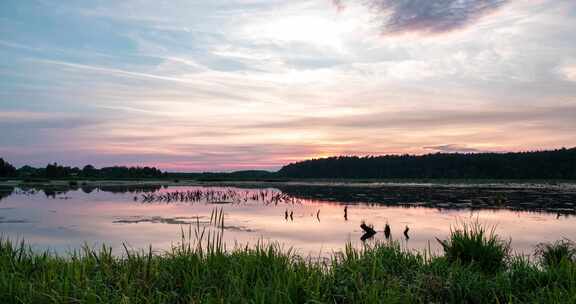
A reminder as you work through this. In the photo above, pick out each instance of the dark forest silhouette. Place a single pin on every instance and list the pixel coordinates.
(56, 171)
(6, 169)
(556, 164)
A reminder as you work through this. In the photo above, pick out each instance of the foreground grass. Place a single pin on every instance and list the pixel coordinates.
(476, 268)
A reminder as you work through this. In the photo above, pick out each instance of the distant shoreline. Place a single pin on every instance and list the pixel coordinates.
(463, 183)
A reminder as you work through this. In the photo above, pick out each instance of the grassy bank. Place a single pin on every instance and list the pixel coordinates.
(476, 268)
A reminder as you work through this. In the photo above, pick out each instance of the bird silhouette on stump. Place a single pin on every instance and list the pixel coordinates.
(406, 233)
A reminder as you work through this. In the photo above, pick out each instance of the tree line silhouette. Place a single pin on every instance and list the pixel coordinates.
(6, 169)
(555, 164)
(58, 171)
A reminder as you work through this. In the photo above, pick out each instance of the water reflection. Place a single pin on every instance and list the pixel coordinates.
(314, 223)
(560, 201)
(5, 192)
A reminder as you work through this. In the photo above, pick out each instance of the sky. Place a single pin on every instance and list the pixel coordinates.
(223, 85)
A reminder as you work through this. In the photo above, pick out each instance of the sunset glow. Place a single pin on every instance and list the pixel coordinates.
(231, 85)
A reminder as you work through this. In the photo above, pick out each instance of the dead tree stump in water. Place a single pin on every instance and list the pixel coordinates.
(369, 232)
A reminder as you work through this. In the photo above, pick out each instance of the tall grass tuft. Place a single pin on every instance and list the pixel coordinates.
(553, 254)
(201, 270)
(471, 244)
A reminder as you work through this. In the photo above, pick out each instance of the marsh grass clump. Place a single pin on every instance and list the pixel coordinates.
(553, 254)
(199, 269)
(472, 244)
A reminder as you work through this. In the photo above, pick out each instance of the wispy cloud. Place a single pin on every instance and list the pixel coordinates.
(418, 120)
(110, 71)
(24, 120)
(228, 84)
(568, 72)
(428, 16)
(339, 4)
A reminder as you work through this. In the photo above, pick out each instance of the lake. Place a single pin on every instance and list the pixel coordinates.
(309, 218)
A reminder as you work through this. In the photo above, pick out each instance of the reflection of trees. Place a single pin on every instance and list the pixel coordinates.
(5, 192)
(88, 189)
(439, 197)
(51, 191)
(130, 188)
(443, 197)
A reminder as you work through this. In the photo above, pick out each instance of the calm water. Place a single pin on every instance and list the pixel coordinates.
(65, 220)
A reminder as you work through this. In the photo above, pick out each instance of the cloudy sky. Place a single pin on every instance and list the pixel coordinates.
(220, 85)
